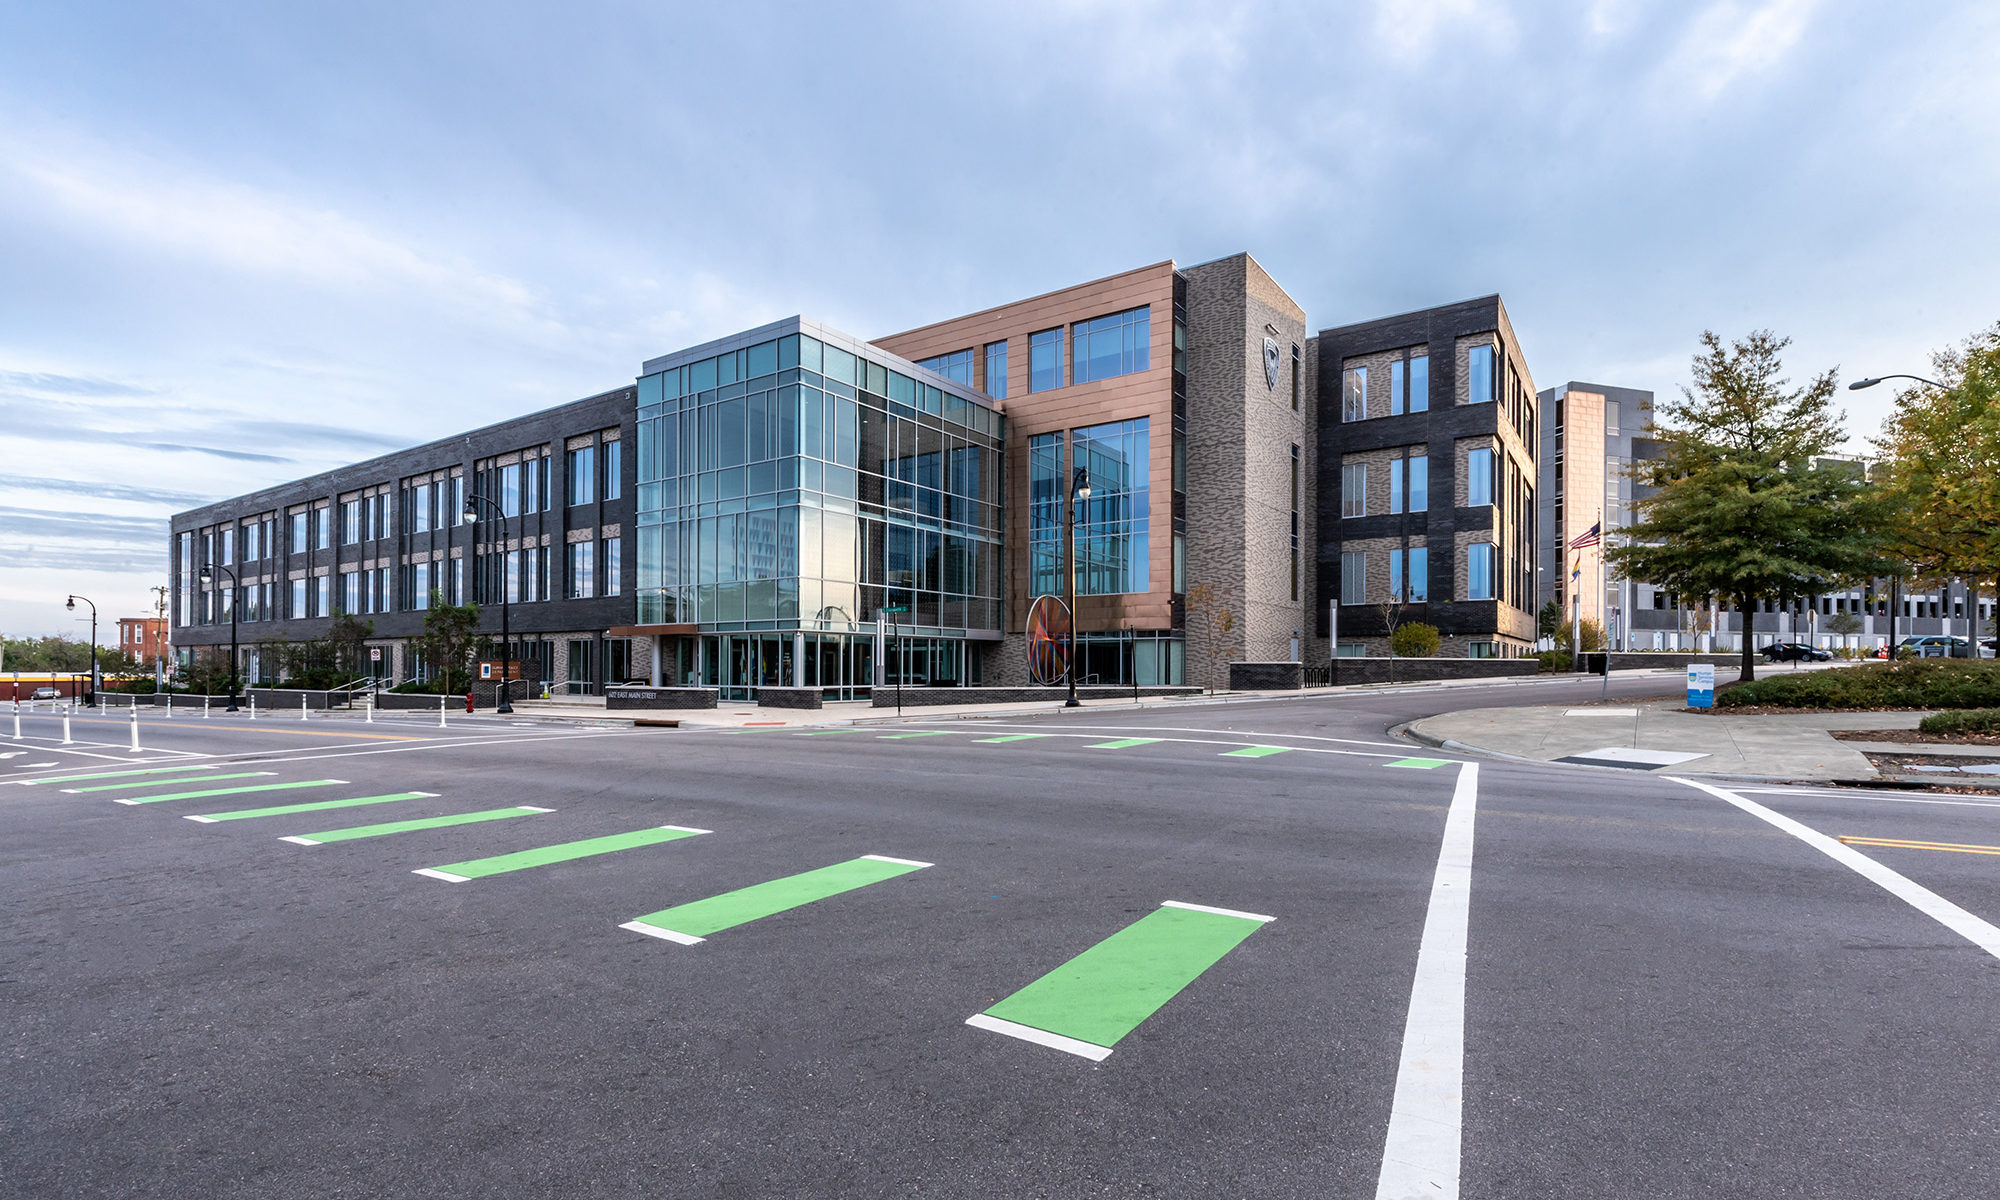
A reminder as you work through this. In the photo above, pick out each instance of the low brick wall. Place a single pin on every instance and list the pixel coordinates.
(287, 699)
(659, 697)
(1266, 676)
(927, 697)
(785, 697)
(1664, 660)
(422, 701)
(1430, 670)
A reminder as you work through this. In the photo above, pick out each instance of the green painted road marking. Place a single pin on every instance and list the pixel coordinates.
(367, 831)
(1012, 737)
(690, 923)
(175, 782)
(1421, 764)
(824, 732)
(1256, 752)
(521, 860)
(1121, 743)
(246, 814)
(235, 791)
(1088, 1003)
(922, 733)
(112, 774)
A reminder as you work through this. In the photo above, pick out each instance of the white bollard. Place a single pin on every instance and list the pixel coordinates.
(370, 718)
(17, 718)
(135, 728)
(65, 740)
(441, 700)
(170, 706)
(302, 706)
(204, 708)
(253, 706)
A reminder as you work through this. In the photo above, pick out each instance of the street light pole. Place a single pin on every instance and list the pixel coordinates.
(1079, 489)
(472, 502)
(235, 595)
(92, 702)
(1858, 384)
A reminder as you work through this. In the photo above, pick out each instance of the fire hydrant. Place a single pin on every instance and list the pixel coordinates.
(468, 702)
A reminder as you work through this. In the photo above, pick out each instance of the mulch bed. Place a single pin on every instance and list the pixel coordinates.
(1911, 737)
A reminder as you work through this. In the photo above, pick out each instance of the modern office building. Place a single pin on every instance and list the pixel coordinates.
(382, 540)
(1181, 391)
(793, 506)
(1427, 483)
(816, 512)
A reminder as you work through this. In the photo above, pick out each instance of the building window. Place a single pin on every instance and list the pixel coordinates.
(1409, 484)
(350, 523)
(1045, 360)
(1354, 394)
(1479, 477)
(350, 592)
(1479, 375)
(956, 366)
(1353, 577)
(1295, 382)
(582, 570)
(510, 490)
(1295, 524)
(1482, 650)
(323, 527)
(613, 561)
(1412, 586)
(581, 467)
(298, 608)
(996, 370)
(1479, 558)
(1113, 525)
(1113, 345)
(1180, 564)
(298, 535)
(614, 470)
(1419, 384)
(1354, 490)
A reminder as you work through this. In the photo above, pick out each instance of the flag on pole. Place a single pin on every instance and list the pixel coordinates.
(1589, 537)
(1576, 569)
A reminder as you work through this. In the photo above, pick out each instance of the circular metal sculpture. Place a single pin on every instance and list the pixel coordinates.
(1048, 640)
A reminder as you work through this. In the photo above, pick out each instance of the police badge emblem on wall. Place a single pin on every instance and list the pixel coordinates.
(1271, 363)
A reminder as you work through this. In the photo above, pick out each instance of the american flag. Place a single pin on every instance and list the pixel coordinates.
(1589, 537)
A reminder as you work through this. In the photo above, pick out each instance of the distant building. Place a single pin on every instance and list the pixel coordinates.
(144, 639)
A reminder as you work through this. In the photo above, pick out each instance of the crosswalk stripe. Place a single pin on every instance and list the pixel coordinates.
(1123, 743)
(176, 782)
(1256, 752)
(230, 791)
(368, 831)
(521, 860)
(691, 923)
(246, 814)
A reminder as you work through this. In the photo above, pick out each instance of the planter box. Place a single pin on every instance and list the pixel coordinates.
(785, 697)
(1266, 676)
(659, 697)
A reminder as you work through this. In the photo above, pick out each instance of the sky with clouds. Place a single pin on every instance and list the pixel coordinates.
(240, 243)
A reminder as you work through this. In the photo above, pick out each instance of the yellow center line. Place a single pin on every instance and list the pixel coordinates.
(1903, 844)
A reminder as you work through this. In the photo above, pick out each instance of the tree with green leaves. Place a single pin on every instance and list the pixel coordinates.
(1549, 620)
(1744, 505)
(450, 633)
(1940, 468)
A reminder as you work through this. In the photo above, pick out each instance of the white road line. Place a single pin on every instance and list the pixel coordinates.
(447, 876)
(202, 820)
(907, 862)
(1220, 912)
(1859, 794)
(1297, 737)
(685, 939)
(1421, 1155)
(1041, 1037)
(687, 829)
(1979, 932)
(532, 808)
(300, 841)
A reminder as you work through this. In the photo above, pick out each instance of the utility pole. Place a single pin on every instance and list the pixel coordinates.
(160, 639)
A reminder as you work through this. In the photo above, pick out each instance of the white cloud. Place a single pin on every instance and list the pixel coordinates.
(1731, 40)
(1410, 29)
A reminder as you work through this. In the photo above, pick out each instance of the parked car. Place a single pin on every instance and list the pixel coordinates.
(1935, 645)
(1791, 651)
(47, 693)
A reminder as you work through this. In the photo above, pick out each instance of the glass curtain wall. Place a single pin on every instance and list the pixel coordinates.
(794, 487)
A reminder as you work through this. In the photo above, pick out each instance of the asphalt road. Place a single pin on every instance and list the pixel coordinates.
(1649, 989)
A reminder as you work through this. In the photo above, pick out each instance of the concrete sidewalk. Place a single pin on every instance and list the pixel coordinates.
(1658, 736)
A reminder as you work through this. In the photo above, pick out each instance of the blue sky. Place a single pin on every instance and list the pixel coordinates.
(242, 243)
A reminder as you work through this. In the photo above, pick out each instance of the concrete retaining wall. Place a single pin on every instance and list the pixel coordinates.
(1665, 660)
(1425, 670)
(927, 697)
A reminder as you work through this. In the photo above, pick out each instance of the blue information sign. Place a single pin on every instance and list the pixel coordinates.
(1701, 685)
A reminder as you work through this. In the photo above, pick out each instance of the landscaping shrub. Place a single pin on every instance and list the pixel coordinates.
(1922, 683)
(1554, 661)
(1415, 640)
(1977, 720)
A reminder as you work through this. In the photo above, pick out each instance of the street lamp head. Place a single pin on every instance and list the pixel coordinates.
(207, 576)
(1858, 384)
(471, 510)
(71, 605)
(1081, 483)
